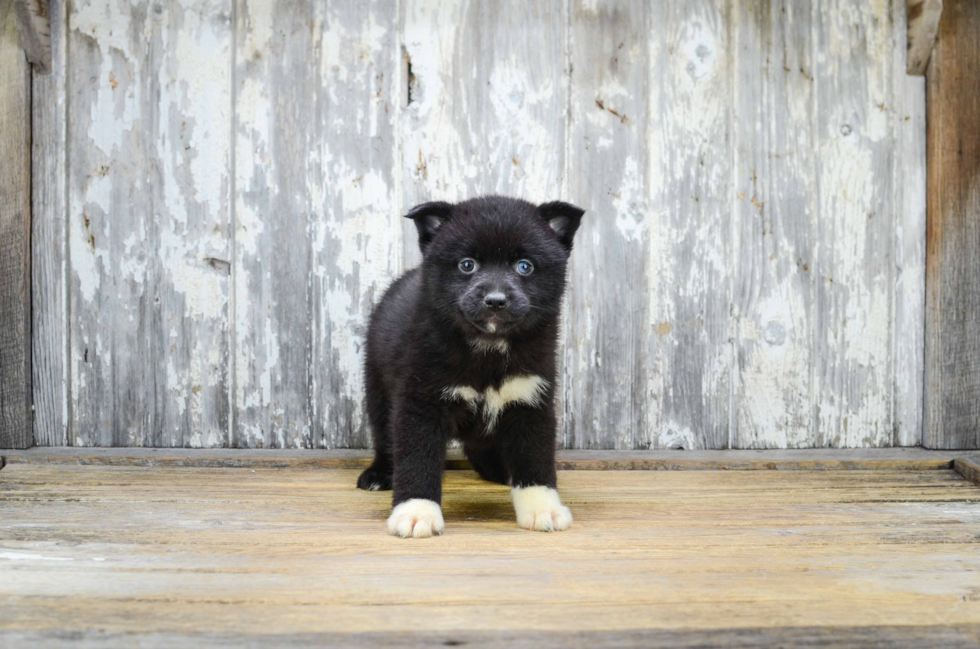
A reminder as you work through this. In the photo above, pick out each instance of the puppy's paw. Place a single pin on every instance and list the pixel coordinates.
(374, 479)
(418, 518)
(540, 509)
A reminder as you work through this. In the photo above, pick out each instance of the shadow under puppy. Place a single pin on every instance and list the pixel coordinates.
(464, 347)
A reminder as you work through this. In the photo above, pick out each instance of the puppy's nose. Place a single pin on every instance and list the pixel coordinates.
(495, 301)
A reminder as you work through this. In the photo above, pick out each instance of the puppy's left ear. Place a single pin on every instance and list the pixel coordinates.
(428, 218)
(563, 218)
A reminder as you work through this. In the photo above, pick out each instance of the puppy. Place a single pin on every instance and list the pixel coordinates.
(465, 347)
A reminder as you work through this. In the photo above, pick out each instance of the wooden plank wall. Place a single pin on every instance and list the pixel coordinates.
(749, 273)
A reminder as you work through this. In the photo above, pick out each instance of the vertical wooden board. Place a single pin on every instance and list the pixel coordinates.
(775, 222)
(148, 191)
(649, 354)
(356, 222)
(853, 364)
(15, 237)
(275, 118)
(691, 249)
(607, 403)
(909, 184)
(318, 234)
(952, 356)
(486, 97)
(49, 255)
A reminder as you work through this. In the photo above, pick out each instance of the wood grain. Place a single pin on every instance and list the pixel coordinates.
(273, 267)
(148, 223)
(235, 552)
(357, 228)
(318, 232)
(952, 352)
(648, 358)
(606, 376)
(15, 237)
(49, 236)
(775, 205)
(853, 272)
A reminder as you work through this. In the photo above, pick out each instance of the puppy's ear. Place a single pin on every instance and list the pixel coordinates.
(563, 218)
(428, 218)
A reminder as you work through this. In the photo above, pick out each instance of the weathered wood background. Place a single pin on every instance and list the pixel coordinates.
(221, 183)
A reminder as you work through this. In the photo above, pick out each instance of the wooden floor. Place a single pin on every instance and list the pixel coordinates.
(118, 555)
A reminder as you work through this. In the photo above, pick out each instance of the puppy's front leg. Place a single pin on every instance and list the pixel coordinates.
(527, 438)
(420, 457)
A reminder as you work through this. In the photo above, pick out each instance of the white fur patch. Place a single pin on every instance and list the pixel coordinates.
(418, 518)
(540, 508)
(463, 393)
(528, 390)
(484, 345)
(520, 389)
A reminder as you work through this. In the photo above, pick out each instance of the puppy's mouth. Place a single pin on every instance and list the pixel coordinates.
(495, 324)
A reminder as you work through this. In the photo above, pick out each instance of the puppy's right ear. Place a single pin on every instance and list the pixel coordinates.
(563, 218)
(428, 218)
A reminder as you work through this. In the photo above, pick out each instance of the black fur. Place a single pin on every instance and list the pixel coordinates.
(435, 329)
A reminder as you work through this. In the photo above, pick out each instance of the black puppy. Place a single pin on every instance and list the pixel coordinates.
(465, 347)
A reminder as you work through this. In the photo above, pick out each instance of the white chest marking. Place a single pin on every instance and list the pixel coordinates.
(528, 390)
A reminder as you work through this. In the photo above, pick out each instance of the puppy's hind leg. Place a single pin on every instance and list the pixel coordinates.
(487, 462)
(377, 477)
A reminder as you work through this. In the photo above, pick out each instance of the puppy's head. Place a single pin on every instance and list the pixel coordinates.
(496, 266)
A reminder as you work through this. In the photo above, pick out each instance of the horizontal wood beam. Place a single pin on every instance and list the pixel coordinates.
(909, 459)
(951, 414)
(33, 23)
(15, 238)
(923, 23)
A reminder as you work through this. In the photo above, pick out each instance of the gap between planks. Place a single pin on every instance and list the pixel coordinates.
(904, 459)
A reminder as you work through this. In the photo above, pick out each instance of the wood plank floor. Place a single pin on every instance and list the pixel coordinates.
(106, 555)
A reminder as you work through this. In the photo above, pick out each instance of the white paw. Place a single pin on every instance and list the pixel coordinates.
(540, 508)
(417, 517)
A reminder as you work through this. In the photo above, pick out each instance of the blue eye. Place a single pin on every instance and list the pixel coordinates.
(524, 267)
(468, 266)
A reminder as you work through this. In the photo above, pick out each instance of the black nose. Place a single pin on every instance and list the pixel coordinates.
(495, 301)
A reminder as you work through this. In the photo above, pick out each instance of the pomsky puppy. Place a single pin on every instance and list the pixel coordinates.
(464, 347)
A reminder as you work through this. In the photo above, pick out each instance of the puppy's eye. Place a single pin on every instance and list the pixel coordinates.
(524, 267)
(468, 266)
